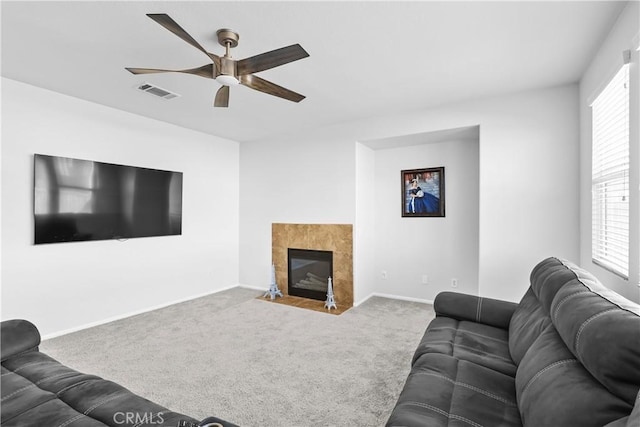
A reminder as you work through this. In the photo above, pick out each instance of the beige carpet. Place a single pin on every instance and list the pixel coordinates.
(255, 363)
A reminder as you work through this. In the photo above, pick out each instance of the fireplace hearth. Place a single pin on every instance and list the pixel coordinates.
(308, 272)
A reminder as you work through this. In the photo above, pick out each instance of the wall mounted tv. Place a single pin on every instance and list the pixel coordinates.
(80, 200)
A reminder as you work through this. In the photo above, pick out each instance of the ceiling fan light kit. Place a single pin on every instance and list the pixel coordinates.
(227, 80)
(229, 72)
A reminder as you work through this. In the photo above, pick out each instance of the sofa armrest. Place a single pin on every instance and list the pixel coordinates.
(17, 336)
(489, 311)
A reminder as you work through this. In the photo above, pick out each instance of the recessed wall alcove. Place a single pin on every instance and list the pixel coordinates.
(395, 254)
(337, 238)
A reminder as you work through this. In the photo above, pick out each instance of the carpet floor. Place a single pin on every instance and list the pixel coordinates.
(256, 363)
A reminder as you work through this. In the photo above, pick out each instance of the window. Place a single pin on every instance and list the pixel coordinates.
(74, 181)
(610, 176)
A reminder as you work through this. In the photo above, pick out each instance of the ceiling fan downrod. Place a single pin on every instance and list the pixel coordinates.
(228, 39)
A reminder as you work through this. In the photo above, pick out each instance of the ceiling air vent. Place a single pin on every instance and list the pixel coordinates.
(157, 91)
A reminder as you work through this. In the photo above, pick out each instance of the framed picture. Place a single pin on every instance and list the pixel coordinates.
(423, 192)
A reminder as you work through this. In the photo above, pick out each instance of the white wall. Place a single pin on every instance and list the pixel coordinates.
(608, 60)
(364, 239)
(440, 248)
(529, 196)
(311, 180)
(65, 286)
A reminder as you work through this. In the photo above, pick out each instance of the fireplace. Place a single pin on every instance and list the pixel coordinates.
(336, 238)
(308, 272)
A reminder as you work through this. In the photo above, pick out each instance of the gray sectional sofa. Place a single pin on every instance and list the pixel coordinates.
(40, 391)
(567, 355)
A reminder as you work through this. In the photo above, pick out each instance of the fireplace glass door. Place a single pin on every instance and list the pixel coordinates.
(309, 271)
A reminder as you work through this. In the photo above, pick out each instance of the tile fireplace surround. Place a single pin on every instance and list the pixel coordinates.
(337, 238)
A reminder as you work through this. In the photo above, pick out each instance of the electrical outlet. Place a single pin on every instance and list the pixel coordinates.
(454, 283)
(384, 274)
(425, 279)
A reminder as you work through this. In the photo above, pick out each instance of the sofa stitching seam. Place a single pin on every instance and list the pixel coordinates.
(479, 310)
(578, 272)
(26, 365)
(69, 387)
(103, 401)
(443, 412)
(33, 384)
(469, 332)
(586, 322)
(71, 420)
(18, 414)
(457, 365)
(469, 386)
(470, 348)
(565, 299)
(543, 370)
(453, 342)
(16, 392)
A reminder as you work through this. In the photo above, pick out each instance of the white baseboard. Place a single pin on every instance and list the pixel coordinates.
(130, 314)
(192, 297)
(390, 296)
(256, 288)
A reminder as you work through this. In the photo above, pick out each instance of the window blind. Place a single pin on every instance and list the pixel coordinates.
(610, 175)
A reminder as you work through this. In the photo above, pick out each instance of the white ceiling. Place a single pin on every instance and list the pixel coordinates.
(367, 59)
(469, 133)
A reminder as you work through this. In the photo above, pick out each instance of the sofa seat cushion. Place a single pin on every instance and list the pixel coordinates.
(23, 404)
(481, 344)
(38, 390)
(442, 390)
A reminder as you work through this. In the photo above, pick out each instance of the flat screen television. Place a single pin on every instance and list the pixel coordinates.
(79, 200)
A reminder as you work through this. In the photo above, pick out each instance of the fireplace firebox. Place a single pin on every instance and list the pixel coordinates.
(309, 271)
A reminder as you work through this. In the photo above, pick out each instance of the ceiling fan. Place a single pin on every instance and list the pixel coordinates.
(229, 72)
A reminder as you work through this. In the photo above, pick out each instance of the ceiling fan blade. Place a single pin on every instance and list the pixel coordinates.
(271, 59)
(167, 22)
(222, 97)
(146, 70)
(204, 71)
(265, 86)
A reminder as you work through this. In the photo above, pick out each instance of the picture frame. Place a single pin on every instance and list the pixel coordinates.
(422, 192)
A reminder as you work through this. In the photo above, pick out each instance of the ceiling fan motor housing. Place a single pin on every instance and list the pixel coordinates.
(227, 73)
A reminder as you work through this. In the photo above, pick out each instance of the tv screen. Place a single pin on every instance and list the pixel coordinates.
(80, 200)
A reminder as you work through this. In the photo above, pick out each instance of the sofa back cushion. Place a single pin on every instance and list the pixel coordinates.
(578, 364)
(527, 323)
(602, 330)
(554, 389)
(531, 316)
